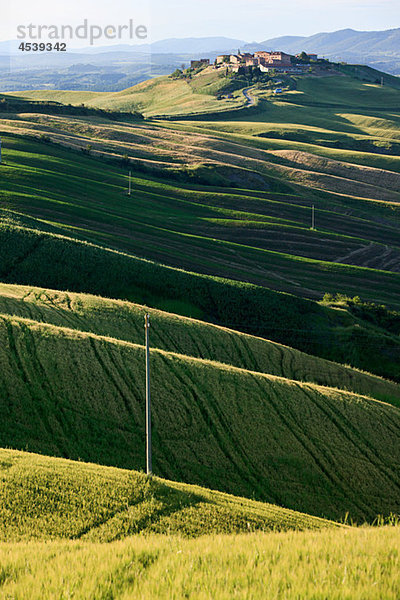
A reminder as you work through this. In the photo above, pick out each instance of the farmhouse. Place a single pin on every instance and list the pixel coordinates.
(264, 60)
(279, 59)
(222, 58)
(252, 62)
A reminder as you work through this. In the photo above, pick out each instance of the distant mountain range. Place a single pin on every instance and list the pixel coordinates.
(335, 44)
(347, 44)
(111, 68)
(168, 46)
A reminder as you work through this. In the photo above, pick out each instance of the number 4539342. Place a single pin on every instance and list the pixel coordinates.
(42, 47)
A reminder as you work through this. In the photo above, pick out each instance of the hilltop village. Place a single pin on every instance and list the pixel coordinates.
(263, 60)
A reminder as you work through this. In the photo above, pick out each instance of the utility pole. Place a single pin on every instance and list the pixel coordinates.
(313, 218)
(148, 406)
(382, 81)
(129, 185)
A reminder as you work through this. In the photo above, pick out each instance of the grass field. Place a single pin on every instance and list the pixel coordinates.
(46, 498)
(315, 449)
(97, 530)
(257, 236)
(352, 564)
(235, 219)
(163, 96)
(331, 333)
(344, 91)
(223, 198)
(58, 513)
(215, 243)
(198, 339)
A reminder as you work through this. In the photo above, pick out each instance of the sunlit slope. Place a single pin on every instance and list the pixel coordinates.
(74, 97)
(248, 160)
(124, 321)
(168, 96)
(335, 563)
(340, 112)
(53, 498)
(310, 448)
(159, 96)
(338, 117)
(51, 261)
(264, 239)
(346, 91)
(365, 138)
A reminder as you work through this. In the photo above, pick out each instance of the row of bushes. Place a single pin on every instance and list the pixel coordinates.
(377, 314)
(56, 108)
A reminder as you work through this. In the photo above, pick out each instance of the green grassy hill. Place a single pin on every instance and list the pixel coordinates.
(267, 233)
(198, 339)
(52, 498)
(344, 91)
(260, 237)
(162, 95)
(332, 333)
(217, 228)
(351, 86)
(315, 449)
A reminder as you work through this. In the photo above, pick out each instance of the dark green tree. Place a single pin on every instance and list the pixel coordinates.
(304, 57)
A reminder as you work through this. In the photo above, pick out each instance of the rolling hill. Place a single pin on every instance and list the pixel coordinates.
(191, 337)
(217, 229)
(53, 498)
(336, 334)
(56, 516)
(162, 95)
(230, 199)
(380, 49)
(320, 450)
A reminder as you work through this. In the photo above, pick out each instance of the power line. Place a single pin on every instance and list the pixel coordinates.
(148, 405)
(313, 218)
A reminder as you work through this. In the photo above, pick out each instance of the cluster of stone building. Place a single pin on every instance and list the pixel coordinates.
(265, 61)
(258, 59)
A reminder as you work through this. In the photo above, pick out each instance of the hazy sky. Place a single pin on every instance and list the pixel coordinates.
(249, 20)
